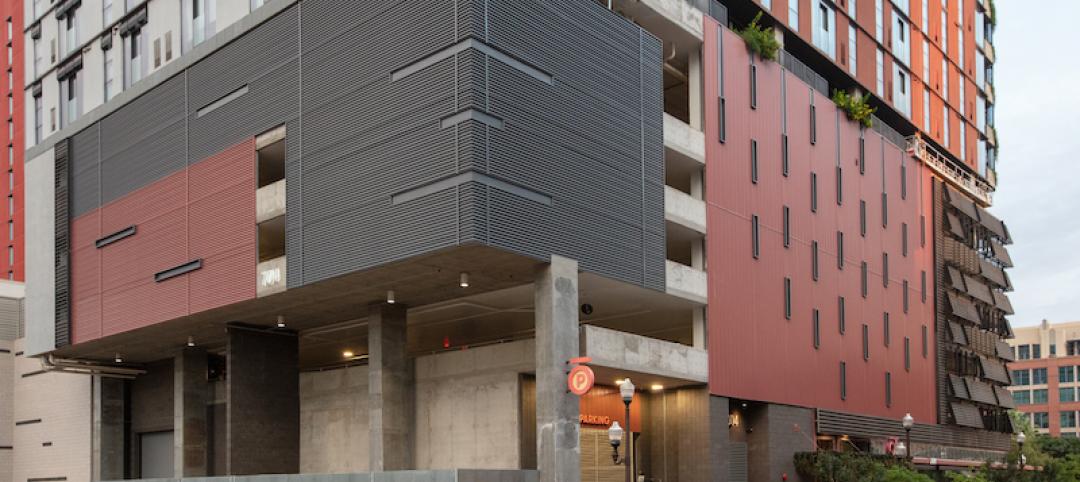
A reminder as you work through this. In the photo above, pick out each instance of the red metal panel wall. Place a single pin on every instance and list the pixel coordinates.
(13, 157)
(204, 212)
(755, 352)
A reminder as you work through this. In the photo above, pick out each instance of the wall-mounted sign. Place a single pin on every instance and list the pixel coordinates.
(594, 420)
(580, 380)
(270, 277)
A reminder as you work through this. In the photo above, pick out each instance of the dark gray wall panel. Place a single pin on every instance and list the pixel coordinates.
(143, 141)
(85, 172)
(294, 239)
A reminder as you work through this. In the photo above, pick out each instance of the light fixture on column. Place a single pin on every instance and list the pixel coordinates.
(118, 358)
(191, 341)
(463, 279)
(390, 297)
(281, 321)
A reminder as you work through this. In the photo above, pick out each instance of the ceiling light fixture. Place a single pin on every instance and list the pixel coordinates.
(390, 297)
(657, 387)
(347, 354)
(463, 280)
(190, 341)
(280, 321)
(118, 358)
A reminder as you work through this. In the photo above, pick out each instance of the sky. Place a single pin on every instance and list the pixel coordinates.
(1038, 124)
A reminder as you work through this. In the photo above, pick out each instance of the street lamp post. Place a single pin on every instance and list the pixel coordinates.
(627, 392)
(1020, 439)
(908, 421)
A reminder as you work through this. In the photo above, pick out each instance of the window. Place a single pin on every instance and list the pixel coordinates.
(1068, 419)
(753, 162)
(110, 89)
(814, 260)
(960, 46)
(71, 34)
(888, 389)
(907, 354)
(1038, 376)
(1021, 377)
(813, 123)
(1053, 351)
(879, 20)
(922, 285)
(864, 285)
(787, 298)
(980, 70)
(817, 328)
(884, 210)
(866, 342)
(926, 107)
(1036, 351)
(925, 15)
(1022, 397)
(1072, 347)
(69, 89)
(1039, 396)
(944, 29)
(1040, 420)
(885, 327)
(944, 79)
(753, 86)
(900, 46)
(945, 121)
(755, 236)
(924, 340)
(980, 109)
(258, 3)
(134, 60)
(839, 250)
(839, 186)
(901, 90)
(926, 61)
(813, 192)
(823, 19)
(784, 155)
(787, 226)
(885, 269)
(11, 230)
(793, 15)
(841, 311)
(905, 296)
(903, 239)
(200, 18)
(37, 57)
(106, 13)
(862, 218)
(862, 154)
(1067, 394)
(843, 381)
(853, 57)
(1023, 352)
(38, 119)
(880, 72)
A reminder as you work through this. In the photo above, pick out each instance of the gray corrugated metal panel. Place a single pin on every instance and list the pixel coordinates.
(655, 256)
(472, 141)
(272, 100)
(85, 172)
(472, 80)
(994, 370)
(62, 261)
(1001, 301)
(838, 423)
(959, 388)
(471, 21)
(1001, 253)
(143, 141)
(472, 205)
(738, 468)
(967, 415)
(251, 56)
(1004, 397)
(378, 233)
(10, 317)
(981, 391)
(294, 200)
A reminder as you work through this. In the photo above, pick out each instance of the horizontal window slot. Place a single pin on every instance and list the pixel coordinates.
(28, 422)
(177, 271)
(231, 96)
(114, 237)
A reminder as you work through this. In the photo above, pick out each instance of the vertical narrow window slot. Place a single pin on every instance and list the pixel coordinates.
(817, 328)
(753, 161)
(841, 310)
(787, 226)
(787, 298)
(813, 192)
(755, 237)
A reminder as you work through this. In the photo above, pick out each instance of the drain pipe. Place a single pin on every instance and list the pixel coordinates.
(83, 367)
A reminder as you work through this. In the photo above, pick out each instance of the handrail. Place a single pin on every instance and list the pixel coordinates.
(977, 188)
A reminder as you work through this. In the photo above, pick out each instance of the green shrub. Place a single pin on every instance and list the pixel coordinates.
(856, 108)
(827, 466)
(761, 41)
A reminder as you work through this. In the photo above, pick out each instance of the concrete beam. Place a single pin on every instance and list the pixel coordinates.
(684, 140)
(390, 389)
(557, 410)
(686, 282)
(190, 429)
(682, 209)
(641, 354)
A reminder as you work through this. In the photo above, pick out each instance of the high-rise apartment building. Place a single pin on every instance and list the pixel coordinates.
(1044, 376)
(317, 236)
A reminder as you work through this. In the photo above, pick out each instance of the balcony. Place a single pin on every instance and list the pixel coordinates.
(617, 354)
(682, 209)
(686, 282)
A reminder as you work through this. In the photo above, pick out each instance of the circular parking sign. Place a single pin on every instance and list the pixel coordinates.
(580, 380)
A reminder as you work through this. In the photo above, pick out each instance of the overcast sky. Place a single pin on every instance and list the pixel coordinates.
(1038, 124)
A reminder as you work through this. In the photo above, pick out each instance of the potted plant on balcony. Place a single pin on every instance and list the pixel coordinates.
(856, 107)
(761, 41)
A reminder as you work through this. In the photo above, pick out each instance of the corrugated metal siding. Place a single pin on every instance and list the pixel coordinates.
(85, 172)
(62, 262)
(755, 353)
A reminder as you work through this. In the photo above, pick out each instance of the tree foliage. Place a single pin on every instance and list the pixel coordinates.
(761, 41)
(856, 107)
(826, 466)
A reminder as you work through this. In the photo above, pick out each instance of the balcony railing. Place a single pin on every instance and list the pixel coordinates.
(952, 172)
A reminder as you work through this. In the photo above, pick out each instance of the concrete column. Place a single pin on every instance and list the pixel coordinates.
(107, 442)
(697, 91)
(190, 396)
(262, 402)
(557, 426)
(390, 388)
(701, 331)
